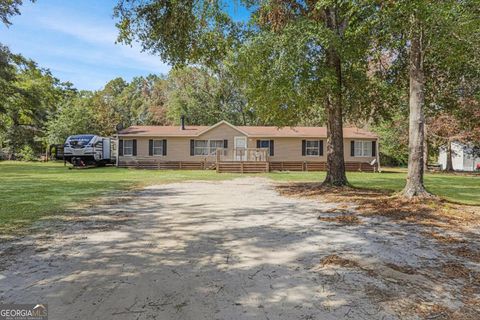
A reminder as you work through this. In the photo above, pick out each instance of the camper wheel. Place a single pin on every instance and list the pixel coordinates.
(78, 162)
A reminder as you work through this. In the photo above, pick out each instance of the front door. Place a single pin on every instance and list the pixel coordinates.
(240, 148)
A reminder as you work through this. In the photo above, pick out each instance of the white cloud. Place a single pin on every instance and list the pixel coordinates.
(82, 30)
(103, 37)
(77, 42)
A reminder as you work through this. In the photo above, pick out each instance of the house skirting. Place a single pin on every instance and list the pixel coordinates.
(166, 165)
(242, 166)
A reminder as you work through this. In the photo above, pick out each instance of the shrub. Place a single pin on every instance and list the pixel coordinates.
(27, 154)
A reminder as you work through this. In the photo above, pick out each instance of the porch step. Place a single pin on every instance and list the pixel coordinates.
(242, 166)
(211, 166)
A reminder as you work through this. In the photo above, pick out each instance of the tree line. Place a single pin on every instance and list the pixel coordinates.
(38, 110)
(409, 70)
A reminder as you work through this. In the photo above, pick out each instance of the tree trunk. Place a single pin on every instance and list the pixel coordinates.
(414, 187)
(449, 166)
(425, 148)
(335, 157)
(13, 135)
(244, 118)
(334, 106)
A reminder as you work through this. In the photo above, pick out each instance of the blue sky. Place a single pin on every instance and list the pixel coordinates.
(76, 41)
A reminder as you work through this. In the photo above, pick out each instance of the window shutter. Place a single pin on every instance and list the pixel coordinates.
(258, 144)
(272, 149)
(320, 145)
(150, 147)
(134, 147)
(304, 147)
(374, 149)
(225, 144)
(164, 147)
(352, 148)
(192, 147)
(120, 147)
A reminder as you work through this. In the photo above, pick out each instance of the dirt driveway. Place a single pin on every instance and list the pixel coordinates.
(228, 250)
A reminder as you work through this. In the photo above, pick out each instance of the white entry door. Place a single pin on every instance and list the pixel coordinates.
(240, 148)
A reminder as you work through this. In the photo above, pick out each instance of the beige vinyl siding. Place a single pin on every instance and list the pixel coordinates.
(221, 132)
(178, 149)
(142, 147)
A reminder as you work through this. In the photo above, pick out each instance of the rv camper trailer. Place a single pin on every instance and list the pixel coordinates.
(89, 150)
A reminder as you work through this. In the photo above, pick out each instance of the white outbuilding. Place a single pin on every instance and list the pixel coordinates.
(463, 158)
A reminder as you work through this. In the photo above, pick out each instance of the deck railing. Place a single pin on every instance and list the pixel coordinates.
(243, 154)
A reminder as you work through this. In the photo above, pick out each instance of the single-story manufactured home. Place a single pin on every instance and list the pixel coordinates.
(229, 148)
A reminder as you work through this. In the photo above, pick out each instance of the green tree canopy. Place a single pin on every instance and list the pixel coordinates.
(205, 97)
(181, 32)
(9, 8)
(29, 96)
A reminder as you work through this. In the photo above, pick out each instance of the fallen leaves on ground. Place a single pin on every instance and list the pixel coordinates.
(449, 224)
(468, 253)
(370, 202)
(335, 260)
(342, 219)
(443, 238)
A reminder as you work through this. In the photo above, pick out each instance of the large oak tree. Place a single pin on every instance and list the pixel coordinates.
(309, 63)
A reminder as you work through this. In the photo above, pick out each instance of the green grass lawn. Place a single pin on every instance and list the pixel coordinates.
(464, 189)
(30, 191)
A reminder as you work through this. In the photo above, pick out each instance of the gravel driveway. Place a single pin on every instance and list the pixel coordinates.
(224, 250)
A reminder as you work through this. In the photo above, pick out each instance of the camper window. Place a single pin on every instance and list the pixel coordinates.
(79, 141)
(158, 147)
(127, 147)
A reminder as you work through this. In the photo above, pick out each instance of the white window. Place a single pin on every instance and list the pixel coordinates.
(214, 145)
(363, 148)
(127, 147)
(201, 148)
(158, 147)
(312, 147)
(207, 147)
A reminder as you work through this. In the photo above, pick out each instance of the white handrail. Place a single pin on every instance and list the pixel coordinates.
(243, 154)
